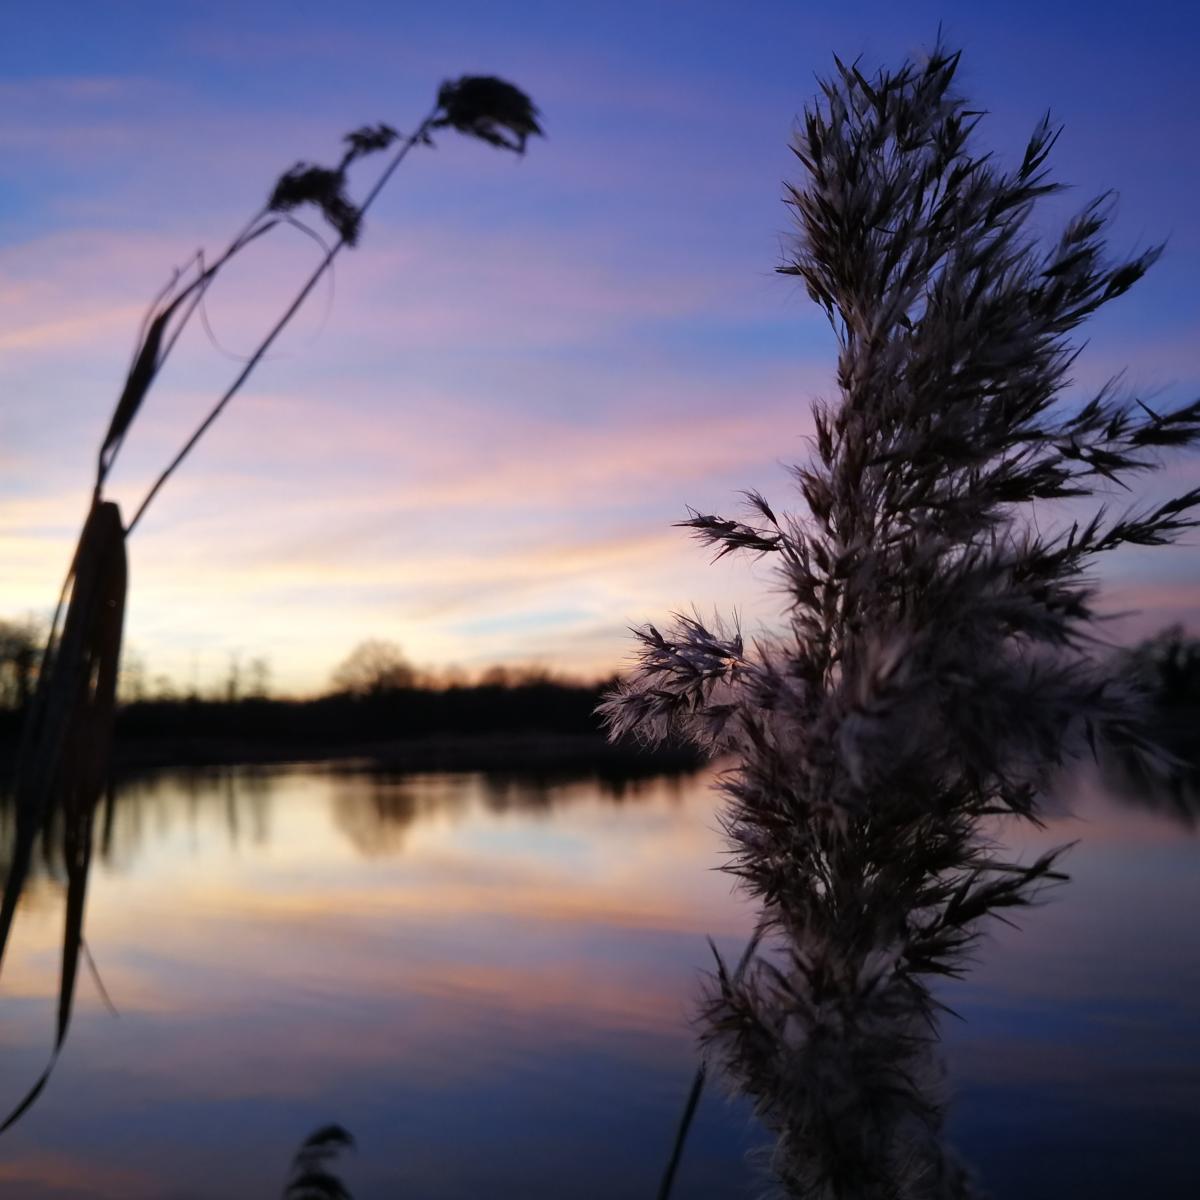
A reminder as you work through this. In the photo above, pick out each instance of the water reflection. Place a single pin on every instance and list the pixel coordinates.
(487, 963)
(488, 980)
(372, 809)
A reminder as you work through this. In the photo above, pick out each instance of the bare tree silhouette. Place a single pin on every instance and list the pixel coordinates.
(373, 666)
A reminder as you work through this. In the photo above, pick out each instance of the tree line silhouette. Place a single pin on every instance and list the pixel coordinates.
(376, 698)
(376, 695)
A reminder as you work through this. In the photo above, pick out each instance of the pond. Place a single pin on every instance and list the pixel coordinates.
(488, 980)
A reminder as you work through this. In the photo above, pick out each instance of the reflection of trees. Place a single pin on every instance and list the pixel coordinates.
(374, 810)
(152, 806)
(375, 814)
(543, 792)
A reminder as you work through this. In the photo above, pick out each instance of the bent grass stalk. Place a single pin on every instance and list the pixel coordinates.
(63, 763)
(292, 309)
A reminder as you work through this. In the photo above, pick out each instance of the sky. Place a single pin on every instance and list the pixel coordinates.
(475, 442)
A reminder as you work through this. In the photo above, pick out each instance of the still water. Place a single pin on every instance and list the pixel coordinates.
(488, 981)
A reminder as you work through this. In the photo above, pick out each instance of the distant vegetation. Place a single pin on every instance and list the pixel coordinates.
(500, 702)
(1168, 667)
(376, 698)
(1168, 664)
(376, 695)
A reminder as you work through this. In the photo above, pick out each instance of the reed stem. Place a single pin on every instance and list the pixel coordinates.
(280, 325)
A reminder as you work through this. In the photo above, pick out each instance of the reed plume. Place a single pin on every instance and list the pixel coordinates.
(934, 666)
(312, 1176)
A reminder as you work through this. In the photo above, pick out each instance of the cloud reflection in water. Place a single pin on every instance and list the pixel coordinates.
(488, 980)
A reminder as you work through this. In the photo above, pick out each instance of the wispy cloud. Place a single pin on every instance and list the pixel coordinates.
(524, 375)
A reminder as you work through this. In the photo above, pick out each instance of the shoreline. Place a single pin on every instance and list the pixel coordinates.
(538, 752)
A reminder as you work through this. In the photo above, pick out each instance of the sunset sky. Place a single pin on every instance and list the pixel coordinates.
(476, 442)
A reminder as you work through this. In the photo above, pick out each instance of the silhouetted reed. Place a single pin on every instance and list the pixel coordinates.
(64, 757)
(935, 664)
(312, 1176)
